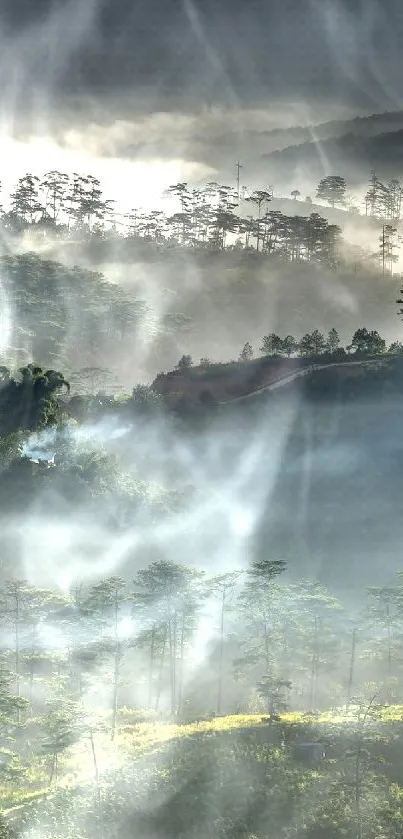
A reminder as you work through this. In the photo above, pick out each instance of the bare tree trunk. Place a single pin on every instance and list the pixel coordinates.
(115, 691)
(266, 646)
(181, 663)
(221, 660)
(53, 771)
(389, 651)
(31, 686)
(173, 640)
(151, 668)
(115, 671)
(161, 670)
(17, 651)
(100, 808)
(285, 650)
(314, 664)
(352, 663)
(358, 774)
(171, 668)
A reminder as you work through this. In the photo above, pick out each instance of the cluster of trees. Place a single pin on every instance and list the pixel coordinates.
(73, 319)
(57, 200)
(28, 400)
(115, 643)
(68, 316)
(382, 201)
(332, 188)
(315, 343)
(206, 217)
(272, 645)
(270, 642)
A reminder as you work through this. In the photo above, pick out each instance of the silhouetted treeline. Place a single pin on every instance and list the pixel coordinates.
(214, 216)
(75, 207)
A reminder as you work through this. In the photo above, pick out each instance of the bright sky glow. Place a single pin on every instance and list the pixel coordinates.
(131, 184)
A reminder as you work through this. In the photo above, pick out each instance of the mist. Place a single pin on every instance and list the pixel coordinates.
(201, 392)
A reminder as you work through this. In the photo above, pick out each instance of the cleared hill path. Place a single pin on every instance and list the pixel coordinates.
(298, 374)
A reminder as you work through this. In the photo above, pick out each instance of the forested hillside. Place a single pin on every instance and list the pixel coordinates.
(181, 579)
(112, 290)
(201, 414)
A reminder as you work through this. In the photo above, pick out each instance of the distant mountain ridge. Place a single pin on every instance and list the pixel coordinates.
(350, 155)
(358, 126)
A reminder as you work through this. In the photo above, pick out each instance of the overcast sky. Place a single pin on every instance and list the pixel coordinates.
(175, 85)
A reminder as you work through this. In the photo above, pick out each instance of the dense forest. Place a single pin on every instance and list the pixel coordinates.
(264, 669)
(190, 645)
(201, 414)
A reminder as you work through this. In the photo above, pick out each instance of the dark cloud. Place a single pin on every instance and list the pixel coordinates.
(179, 53)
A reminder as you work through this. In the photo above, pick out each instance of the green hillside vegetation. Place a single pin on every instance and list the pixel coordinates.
(163, 662)
(201, 780)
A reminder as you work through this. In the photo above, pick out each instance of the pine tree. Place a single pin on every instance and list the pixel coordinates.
(172, 594)
(313, 343)
(332, 189)
(289, 345)
(369, 342)
(271, 344)
(184, 362)
(260, 198)
(333, 340)
(60, 728)
(25, 200)
(377, 198)
(246, 353)
(223, 587)
(387, 248)
(55, 187)
(259, 609)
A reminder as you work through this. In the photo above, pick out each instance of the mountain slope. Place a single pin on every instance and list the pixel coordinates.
(351, 155)
(367, 126)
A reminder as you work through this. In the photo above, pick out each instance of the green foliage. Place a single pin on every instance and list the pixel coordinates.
(271, 345)
(184, 362)
(368, 341)
(313, 343)
(289, 346)
(274, 692)
(332, 189)
(29, 401)
(58, 309)
(61, 728)
(246, 353)
(145, 398)
(333, 340)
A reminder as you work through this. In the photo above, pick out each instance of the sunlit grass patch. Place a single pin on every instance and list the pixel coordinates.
(141, 736)
(134, 741)
(223, 723)
(12, 797)
(392, 713)
(146, 735)
(385, 713)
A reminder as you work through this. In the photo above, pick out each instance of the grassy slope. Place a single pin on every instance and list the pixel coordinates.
(135, 740)
(205, 779)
